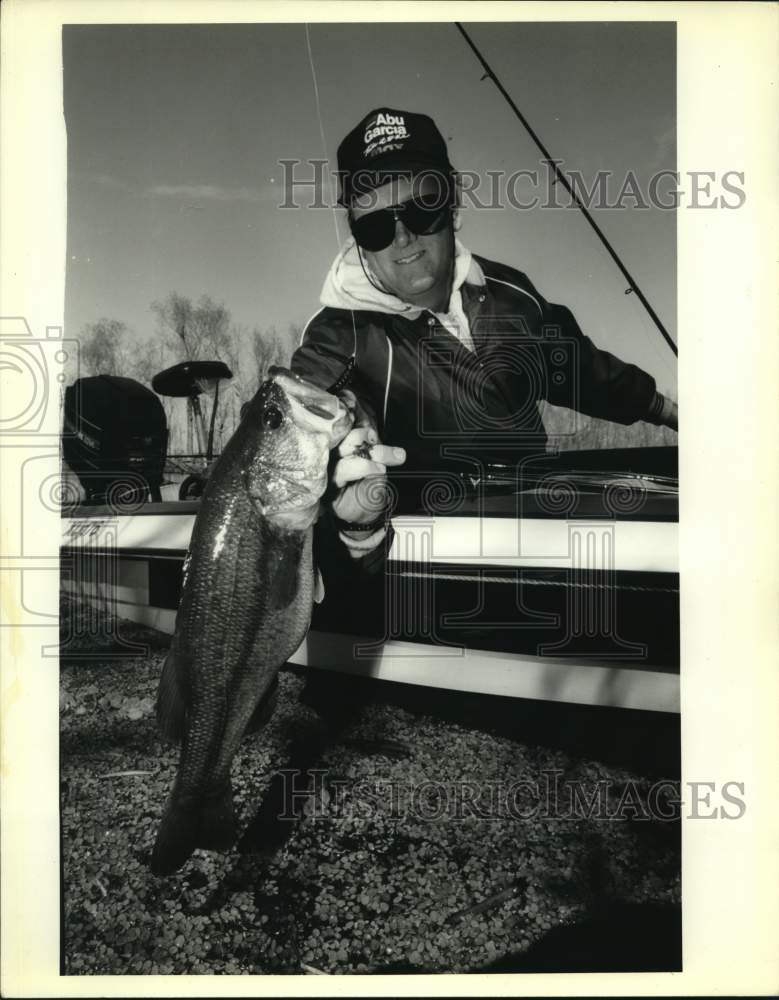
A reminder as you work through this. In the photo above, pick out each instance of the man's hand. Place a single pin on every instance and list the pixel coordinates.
(360, 476)
(669, 415)
(664, 411)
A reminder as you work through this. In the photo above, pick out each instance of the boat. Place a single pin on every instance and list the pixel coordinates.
(558, 581)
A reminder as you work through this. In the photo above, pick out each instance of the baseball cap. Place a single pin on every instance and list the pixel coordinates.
(388, 142)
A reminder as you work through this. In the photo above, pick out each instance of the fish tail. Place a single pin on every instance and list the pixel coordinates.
(171, 710)
(209, 824)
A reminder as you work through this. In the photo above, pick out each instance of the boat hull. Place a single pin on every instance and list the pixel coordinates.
(498, 595)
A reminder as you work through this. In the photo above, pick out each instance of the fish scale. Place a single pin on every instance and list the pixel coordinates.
(246, 601)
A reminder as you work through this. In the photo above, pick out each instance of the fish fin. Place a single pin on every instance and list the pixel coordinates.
(319, 586)
(265, 708)
(209, 825)
(171, 708)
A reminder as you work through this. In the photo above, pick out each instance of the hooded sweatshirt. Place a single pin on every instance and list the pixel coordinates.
(350, 284)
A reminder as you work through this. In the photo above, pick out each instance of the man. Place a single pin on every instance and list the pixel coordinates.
(448, 353)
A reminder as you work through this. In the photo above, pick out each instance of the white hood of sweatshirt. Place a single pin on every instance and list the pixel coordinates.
(347, 287)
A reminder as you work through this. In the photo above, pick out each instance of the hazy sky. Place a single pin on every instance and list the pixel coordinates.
(175, 134)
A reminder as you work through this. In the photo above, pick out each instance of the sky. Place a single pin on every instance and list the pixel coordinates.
(176, 136)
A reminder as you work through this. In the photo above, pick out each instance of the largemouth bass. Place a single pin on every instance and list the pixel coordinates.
(246, 600)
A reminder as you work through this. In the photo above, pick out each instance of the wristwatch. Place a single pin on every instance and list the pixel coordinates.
(351, 526)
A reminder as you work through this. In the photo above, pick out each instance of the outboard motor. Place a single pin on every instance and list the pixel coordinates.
(115, 438)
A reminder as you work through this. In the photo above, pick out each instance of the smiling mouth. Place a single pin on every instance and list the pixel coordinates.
(411, 258)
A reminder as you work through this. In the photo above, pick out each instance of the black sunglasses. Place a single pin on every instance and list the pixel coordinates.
(423, 215)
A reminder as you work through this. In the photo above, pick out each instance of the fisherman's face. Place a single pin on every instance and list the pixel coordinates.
(418, 269)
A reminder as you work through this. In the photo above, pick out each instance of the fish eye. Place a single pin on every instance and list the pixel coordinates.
(272, 417)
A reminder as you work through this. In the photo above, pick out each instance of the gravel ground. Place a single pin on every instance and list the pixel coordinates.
(403, 857)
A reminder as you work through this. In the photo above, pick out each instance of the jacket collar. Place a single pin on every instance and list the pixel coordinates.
(348, 287)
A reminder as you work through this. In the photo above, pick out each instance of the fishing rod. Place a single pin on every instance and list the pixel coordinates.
(560, 176)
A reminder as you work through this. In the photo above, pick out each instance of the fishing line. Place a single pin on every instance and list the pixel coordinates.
(322, 133)
(345, 377)
(645, 326)
(560, 176)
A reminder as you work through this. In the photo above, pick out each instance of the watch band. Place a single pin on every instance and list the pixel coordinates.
(351, 526)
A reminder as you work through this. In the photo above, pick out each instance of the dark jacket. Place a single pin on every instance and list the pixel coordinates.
(434, 397)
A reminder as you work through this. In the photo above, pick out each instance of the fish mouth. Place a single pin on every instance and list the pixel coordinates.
(309, 396)
(313, 407)
(318, 410)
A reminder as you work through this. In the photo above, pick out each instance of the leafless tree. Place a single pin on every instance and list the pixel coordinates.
(103, 348)
(194, 331)
(269, 347)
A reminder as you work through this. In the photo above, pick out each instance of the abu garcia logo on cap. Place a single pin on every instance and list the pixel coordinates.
(383, 133)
